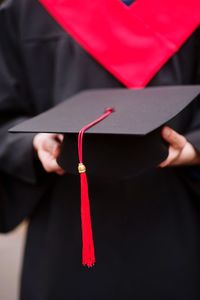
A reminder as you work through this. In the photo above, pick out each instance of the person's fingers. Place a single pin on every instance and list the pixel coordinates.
(48, 142)
(60, 172)
(60, 137)
(49, 162)
(175, 139)
(48, 148)
(188, 155)
(172, 155)
(52, 146)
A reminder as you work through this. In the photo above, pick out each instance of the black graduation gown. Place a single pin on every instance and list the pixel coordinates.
(146, 228)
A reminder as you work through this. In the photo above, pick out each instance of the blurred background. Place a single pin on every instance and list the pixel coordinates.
(11, 251)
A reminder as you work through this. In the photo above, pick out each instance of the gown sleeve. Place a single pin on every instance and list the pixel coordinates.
(191, 174)
(193, 136)
(16, 151)
(20, 187)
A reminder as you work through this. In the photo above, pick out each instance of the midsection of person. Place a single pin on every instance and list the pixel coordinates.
(145, 227)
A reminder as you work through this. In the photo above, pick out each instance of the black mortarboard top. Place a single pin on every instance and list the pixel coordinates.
(128, 141)
(122, 136)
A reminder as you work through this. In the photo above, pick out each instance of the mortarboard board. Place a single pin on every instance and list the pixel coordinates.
(122, 141)
(145, 33)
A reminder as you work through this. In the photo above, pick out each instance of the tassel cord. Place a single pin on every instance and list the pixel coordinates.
(107, 112)
(88, 251)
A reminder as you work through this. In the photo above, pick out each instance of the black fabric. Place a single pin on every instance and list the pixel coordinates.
(146, 228)
(128, 2)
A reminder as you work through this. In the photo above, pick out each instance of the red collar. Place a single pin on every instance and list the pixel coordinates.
(131, 42)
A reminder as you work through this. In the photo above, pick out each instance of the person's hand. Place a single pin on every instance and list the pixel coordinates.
(47, 146)
(181, 152)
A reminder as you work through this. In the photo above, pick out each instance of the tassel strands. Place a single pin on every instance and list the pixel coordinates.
(88, 255)
(88, 249)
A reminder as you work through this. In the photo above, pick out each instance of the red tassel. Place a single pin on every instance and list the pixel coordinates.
(88, 255)
(88, 252)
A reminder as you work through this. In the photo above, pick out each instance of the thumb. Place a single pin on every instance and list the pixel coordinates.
(175, 139)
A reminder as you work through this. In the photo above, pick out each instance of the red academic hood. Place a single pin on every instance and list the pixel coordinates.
(131, 42)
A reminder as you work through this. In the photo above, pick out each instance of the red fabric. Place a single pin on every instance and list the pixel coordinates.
(132, 42)
(88, 251)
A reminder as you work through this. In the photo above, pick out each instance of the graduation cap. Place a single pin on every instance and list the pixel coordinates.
(122, 135)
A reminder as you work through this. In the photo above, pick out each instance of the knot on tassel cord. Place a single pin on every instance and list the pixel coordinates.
(81, 168)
